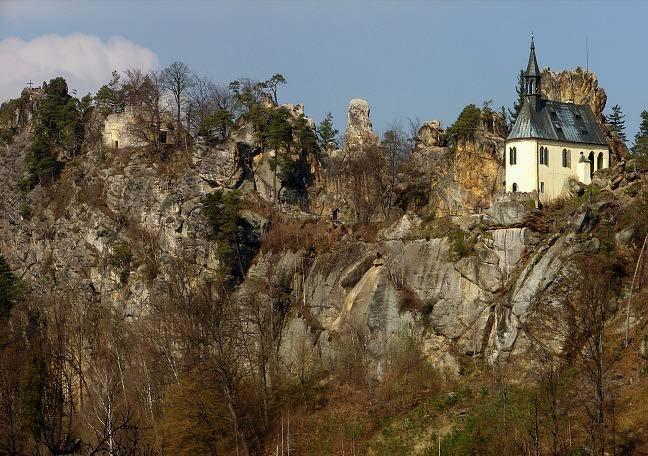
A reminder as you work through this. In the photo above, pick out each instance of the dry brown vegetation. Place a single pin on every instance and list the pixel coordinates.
(313, 235)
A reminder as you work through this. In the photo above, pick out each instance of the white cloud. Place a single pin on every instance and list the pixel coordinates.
(85, 61)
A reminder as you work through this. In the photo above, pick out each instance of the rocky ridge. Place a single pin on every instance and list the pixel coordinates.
(465, 280)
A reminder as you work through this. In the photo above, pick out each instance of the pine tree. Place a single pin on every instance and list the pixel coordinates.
(641, 138)
(110, 97)
(517, 105)
(327, 132)
(58, 127)
(617, 122)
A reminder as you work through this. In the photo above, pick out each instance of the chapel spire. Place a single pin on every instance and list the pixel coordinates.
(532, 74)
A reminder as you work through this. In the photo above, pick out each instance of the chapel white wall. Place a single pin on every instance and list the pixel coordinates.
(528, 174)
(523, 173)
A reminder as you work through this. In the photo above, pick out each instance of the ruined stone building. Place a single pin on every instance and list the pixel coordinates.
(131, 128)
(552, 142)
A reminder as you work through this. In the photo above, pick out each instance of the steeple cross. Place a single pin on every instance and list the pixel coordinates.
(30, 84)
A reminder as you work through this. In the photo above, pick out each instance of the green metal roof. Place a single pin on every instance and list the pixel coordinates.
(557, 121)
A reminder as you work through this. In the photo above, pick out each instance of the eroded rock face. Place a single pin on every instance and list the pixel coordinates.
(479, 169)
(510, 244)
(430, 135)
(541, 272)
(479, 165)
(466, 179)
(19, 114)
(218, 165)
(578, 86)
(508, 210)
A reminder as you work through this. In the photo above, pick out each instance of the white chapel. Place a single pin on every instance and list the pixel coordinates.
(552, 142)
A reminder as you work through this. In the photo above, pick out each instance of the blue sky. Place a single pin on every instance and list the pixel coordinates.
(407, 58)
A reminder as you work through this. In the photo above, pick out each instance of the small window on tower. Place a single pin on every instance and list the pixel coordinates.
(541, 187)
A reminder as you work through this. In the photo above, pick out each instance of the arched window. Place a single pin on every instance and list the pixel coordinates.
(590, 158)
(566, 158)
(512, 156)
(544, 155)
(515, 188)
(599, 161)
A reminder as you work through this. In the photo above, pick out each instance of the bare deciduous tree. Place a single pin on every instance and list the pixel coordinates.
(143, 93)
(177, 79)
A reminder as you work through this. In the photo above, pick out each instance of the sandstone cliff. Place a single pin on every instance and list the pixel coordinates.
(468, 280)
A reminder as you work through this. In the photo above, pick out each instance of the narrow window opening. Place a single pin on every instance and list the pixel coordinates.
(566, 158)
(512, 156)
(116, 144)
(590, 158)
(541, 187)
(163, 137)
(515, 187)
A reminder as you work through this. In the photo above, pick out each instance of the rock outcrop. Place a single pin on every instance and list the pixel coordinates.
(465, 179)
(577, 86)
(430, 134)
(17, 114)
(359, 132)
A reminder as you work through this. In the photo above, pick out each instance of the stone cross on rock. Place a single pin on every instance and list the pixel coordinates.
(30, 84)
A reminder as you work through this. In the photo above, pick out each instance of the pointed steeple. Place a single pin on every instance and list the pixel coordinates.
(532, 67)
(532, 75)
